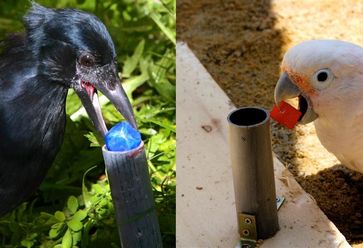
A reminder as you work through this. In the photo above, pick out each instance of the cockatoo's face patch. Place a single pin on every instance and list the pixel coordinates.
(313, 71)
(300, 80)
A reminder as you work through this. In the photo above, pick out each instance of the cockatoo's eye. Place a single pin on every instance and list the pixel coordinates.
(322, 79)
(322, 76)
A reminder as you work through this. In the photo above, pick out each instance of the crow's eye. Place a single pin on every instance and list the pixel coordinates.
(322, 78)
(87, 60)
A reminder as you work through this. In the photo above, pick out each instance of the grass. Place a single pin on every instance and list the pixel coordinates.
(73, 206)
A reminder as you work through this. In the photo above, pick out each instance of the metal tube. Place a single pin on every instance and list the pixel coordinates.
(252, 166)
(133, 198)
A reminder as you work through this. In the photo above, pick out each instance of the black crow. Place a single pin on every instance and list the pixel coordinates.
(60, 49)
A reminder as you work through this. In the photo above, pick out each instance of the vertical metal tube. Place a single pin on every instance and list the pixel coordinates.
(252, 166)
(133, 198)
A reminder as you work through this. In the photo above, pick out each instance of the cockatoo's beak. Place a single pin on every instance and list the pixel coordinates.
(286, 89)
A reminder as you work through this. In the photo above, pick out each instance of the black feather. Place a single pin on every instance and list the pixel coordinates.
(36, 70)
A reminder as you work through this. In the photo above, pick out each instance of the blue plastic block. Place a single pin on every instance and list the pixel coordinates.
(122, 137)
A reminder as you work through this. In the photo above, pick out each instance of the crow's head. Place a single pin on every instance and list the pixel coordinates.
(74, 49)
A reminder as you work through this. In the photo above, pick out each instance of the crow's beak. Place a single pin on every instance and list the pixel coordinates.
(286, 89)
(108, 83)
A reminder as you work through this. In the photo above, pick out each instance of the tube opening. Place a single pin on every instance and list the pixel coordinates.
(249, 116)
(132, 151)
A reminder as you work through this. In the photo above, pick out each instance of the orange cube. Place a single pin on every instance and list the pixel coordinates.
(286, 115)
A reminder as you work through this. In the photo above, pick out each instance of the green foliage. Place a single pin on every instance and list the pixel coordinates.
(73, 206)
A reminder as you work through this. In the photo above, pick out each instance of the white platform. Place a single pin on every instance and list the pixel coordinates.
(205, 198)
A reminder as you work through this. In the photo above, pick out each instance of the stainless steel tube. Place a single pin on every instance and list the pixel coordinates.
(133, 198)
(252, 166)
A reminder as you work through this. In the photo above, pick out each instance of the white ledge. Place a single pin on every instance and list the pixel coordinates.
(205, 199)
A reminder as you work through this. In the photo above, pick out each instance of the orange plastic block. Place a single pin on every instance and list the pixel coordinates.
(286, 115)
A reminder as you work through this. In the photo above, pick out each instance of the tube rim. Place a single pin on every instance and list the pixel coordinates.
(265, 120)
(104, 149)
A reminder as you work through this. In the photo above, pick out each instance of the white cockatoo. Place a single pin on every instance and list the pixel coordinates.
(327, 76)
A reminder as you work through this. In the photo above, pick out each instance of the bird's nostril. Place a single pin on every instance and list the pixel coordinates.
(111, 85)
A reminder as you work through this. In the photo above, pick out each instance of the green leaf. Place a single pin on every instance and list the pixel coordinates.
(85, 194)
(73, 102)
(30, 240)
(148, 131)
(72, 204)
(131, 84)
(53, 233)
(76, 237)
(98, 188)
(130, 63)
(80, 215)
(75, 225)
(27, 243)
(57, 230)
(67, 239)
(158, 79)
(93, 139)
(167, 31)
(81, 1)
(59, 216)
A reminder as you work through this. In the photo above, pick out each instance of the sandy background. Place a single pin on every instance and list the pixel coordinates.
(241, 43)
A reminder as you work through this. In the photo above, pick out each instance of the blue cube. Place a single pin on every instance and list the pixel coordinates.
(122, 137)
